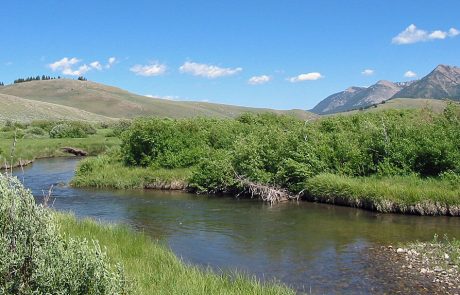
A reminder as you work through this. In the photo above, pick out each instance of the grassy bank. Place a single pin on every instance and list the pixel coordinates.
(104, 172)
(398, 194)
(155, 269)
(30, 149)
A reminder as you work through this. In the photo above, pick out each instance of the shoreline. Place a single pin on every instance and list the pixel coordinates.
(433, 263)
(329, 189)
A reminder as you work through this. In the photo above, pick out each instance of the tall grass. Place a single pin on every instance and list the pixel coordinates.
(155, 269)
(104, 172)
(401, 194)
(30, 149)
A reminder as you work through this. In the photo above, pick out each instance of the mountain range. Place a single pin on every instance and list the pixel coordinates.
(441, 83)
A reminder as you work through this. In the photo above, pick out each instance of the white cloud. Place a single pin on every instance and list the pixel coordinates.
(80, 71)
(208, 71)
(306, 77)
(153, 69)
(453, 32)
(96, 65)
(65, 66)
(368, 72)
(112, 60)
(256, 80)
(413, 35)
(410, 74)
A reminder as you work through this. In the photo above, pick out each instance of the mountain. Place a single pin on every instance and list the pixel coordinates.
(24, 110)
(118, 103)
(442, 82)
(358, 97)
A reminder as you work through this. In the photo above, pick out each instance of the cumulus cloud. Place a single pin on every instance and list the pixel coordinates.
(112, 60)
(257, 80)
(410, 74)
(153, 69)
(208, 71)
(306, 77)
(78, 72)
(453, 32)
(368, 72)
(64, 63)
(96, 65)
(65, 66)
(413, 35)
(71, 67)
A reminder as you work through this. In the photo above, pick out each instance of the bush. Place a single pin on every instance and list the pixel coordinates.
(284, 151)
(36, 131)
(214, 174)
(65, 130)
(37, 259)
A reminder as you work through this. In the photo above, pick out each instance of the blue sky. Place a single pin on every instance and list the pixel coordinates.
(277, 54)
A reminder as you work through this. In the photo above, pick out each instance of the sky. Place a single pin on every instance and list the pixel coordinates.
(276, 54)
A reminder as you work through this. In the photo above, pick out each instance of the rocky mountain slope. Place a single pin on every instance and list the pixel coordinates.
(442, 83)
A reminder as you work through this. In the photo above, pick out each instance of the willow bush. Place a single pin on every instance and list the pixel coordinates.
(37, 259)
(284, 151)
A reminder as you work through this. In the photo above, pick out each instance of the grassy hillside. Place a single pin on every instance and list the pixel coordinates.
(404, 104)
(115, 102)
(19, 109)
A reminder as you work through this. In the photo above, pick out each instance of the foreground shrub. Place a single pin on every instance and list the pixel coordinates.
(37, 259)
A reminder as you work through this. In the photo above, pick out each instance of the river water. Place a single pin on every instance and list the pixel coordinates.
(313, 248)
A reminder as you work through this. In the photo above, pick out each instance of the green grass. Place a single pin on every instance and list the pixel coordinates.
(155, 269)
(101, 172)
(400, 194)
(34, 148)
(436, 105)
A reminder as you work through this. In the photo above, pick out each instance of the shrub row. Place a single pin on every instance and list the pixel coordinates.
(285, 151)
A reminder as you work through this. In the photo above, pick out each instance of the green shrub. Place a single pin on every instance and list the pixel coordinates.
(37, 259)
(214, 174)
(284, 151)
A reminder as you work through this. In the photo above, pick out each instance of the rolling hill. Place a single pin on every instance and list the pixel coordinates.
(436, 105)
(24, 110)
(115, 102)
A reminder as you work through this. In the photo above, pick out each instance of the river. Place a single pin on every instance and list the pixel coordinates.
(313, 248)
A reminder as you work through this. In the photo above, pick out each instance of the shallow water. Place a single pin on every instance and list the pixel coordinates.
(314, 248)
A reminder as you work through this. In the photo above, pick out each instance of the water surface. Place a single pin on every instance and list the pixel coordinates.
(314, 248)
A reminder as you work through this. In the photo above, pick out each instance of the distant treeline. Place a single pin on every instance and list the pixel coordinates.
(1, 84)
(38, 78)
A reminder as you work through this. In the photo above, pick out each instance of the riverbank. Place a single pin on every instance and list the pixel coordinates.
(105, 172)
(397, 194)
(155, 269)
(27, 150)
